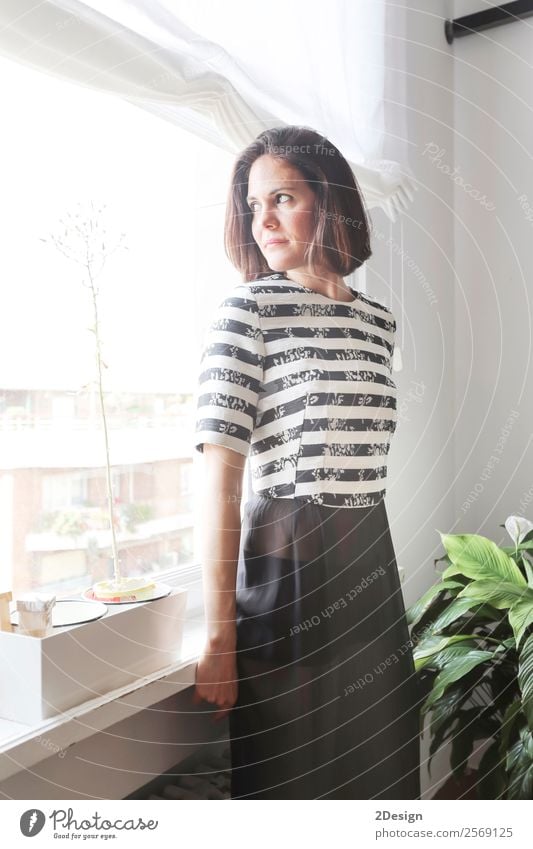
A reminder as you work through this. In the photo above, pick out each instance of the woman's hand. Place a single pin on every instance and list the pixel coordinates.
(216, 680)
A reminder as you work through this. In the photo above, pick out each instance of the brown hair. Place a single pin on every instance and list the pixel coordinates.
(342, 235)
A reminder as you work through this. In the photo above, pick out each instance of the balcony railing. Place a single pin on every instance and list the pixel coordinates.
(100, 538)
(31, 422)
(77, 444)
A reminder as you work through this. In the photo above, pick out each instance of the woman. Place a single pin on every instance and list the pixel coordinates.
(308, 649)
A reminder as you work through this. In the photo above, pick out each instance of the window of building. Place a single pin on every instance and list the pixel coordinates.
(163, 192)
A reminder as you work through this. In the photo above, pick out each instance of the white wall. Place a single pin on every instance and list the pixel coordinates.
(461, 459)
(493, 119)
(420, 493)
(420, 496)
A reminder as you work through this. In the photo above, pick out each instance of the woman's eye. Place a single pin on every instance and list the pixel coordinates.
(253, 203)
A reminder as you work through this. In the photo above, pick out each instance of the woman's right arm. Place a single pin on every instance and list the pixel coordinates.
(220, 501)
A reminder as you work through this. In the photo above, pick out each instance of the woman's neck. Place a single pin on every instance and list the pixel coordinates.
(327, 283)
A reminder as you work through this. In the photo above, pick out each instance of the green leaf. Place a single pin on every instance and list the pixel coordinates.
(500, 594)
(518, 755)
(527, 739)
(525, 789)
(454, 611)
(440, 658)
(435, 643)
(528, 569)
(478, 557)
(520, 617)
(525, 679)
(444, 718)
(513, 754)
(442, 735)
(446, 708)
(508, 723)
(520, 767)
(453, 672)
(450, 572)
(417, 610)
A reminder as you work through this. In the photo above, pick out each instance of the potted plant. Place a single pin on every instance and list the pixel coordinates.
(473, 648)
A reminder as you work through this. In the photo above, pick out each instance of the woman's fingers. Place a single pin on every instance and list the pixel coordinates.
(216, 683)
(221, 714)
(209, 697)
(224, 706)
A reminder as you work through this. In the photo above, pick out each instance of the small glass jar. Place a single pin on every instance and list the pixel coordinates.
(35, 614)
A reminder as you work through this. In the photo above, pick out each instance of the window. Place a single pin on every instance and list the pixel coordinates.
(165, 190)
(63, 490)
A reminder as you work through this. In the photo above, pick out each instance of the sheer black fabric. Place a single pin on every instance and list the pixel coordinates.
(328, 704)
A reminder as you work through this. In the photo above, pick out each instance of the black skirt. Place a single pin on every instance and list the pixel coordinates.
(328, 703)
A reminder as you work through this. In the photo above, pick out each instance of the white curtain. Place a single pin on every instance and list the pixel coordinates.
(227, 70)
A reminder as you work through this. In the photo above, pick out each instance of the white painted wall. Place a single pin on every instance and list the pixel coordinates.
(461, 459)
(493, 119)
(420, 496)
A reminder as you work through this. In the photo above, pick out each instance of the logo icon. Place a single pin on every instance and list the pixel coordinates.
(32, 822)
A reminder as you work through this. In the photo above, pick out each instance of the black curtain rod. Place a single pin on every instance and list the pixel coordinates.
(492, 17)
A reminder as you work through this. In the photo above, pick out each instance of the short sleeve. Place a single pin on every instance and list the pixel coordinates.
(231, 374)
(392, 343)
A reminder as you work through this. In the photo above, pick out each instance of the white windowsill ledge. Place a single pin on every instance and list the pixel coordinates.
(23, 746)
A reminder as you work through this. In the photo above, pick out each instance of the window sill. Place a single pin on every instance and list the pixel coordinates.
(23, 746)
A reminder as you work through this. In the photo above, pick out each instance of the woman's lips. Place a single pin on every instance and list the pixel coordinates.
(276, 242)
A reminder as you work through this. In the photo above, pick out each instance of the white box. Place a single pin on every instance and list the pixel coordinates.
(41, 677)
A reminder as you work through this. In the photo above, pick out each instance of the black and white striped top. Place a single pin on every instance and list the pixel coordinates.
(301, 384)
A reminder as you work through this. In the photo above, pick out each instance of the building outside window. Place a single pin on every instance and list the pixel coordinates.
(165, 190)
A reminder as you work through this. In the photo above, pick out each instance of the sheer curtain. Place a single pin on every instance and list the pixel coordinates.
(227, 70)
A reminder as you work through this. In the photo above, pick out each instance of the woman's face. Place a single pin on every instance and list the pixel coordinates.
(282, 204)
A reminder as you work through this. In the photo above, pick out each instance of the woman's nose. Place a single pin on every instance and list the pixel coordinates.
(268, 217)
